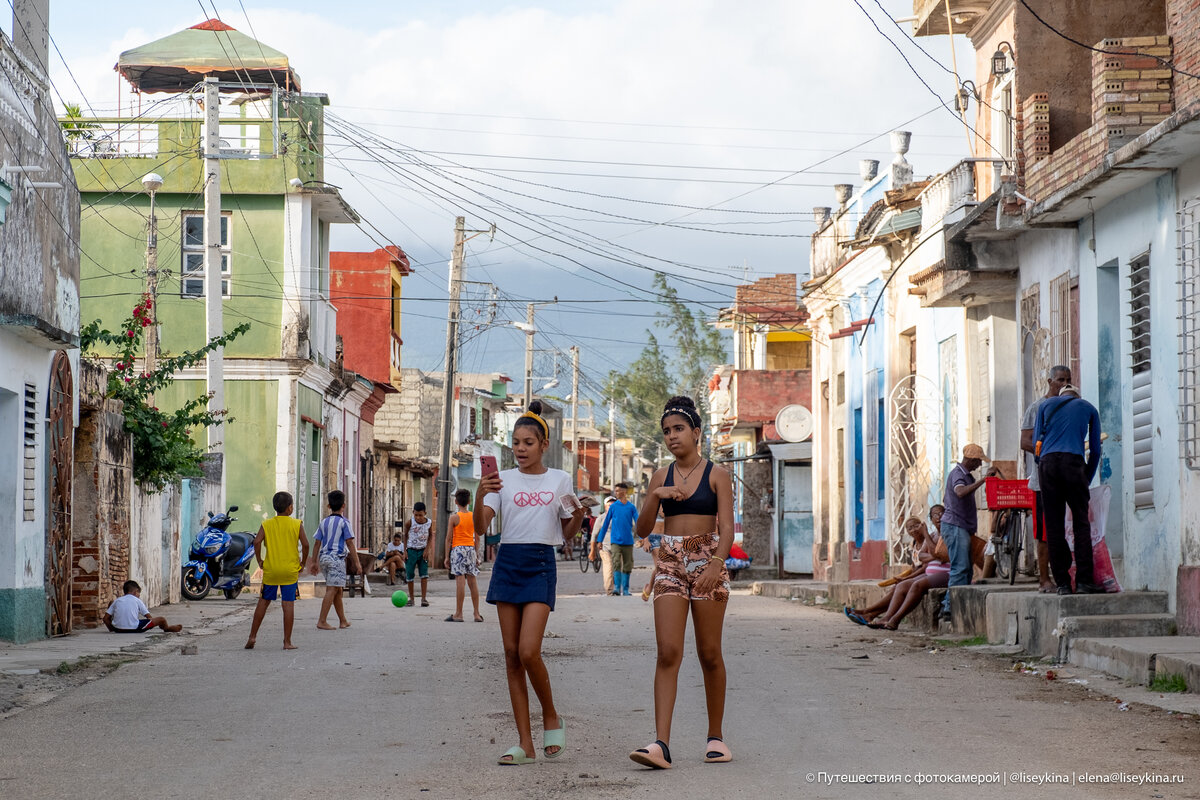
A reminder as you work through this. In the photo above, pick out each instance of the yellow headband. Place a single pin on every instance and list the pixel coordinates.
(539, 421)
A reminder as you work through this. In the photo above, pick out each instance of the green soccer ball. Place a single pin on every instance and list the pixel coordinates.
(399, 598)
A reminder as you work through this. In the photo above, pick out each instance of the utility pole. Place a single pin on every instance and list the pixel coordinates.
(529, 355)
(575, 412)
(444, 481)
(214, 313)
(612, 443)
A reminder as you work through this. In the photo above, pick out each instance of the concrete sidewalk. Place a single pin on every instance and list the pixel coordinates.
(199, 618)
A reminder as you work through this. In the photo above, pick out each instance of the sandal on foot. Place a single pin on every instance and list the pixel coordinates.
(555, 738)
(424, 603)
(451, 619)
(876, 625)
(718, 752)
(655, 756)
(853, 617)
(514, 755)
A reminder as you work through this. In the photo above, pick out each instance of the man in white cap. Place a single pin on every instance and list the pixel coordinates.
(1065, 424)
(959, 521)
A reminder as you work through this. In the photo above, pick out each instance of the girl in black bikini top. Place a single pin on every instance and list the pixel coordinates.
(702, 501)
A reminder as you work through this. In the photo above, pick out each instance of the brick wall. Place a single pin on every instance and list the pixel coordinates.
(760, 393)
(1131, 93)
(1183, 26)
(100, 525)
(413, 416)
(778, 291)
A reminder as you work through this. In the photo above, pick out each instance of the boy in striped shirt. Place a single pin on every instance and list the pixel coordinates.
(334, 541)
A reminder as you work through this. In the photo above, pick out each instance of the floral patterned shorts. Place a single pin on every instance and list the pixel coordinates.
(463, 560)
(681, 560)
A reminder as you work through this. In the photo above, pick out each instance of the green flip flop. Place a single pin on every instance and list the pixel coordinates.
(555, 738)
(516, 755)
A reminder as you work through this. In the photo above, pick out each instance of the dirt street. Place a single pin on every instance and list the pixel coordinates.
(404, 705)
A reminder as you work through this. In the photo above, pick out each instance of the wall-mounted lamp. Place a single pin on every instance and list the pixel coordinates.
(962, 97)
(1000, 65)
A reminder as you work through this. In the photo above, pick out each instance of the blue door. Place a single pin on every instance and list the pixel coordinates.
(858, 477)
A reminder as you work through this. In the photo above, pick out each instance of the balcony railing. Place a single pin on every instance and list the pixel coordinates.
(948, 196)
(116, 137)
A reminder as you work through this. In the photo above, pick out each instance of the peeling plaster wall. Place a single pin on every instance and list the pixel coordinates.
(1140, 221)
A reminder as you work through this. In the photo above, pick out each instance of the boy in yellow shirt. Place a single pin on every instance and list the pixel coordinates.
(283, 536)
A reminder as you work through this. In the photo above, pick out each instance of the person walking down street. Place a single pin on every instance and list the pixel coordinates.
(1056, 378)
(696, 498)
(336, 542)
(960, 520)
(1064, 424)
(462, 555)
(621, 517)
(525, 574)
(418, 530)
(606, 567)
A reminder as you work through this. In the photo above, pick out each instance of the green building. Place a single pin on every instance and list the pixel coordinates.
(294, 408)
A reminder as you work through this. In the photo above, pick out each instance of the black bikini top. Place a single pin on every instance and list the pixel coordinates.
(702, 502)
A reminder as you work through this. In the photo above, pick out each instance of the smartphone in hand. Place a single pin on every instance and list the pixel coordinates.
(488, 466)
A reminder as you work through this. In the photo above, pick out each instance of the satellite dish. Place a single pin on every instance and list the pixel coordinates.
(794, 423)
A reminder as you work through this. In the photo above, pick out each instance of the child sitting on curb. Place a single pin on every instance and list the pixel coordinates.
(128, 614)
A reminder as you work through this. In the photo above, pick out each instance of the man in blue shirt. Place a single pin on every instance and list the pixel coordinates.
(959, 520)
(621, 517)
(1063, 423)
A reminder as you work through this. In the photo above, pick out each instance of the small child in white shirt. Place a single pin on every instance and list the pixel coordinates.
(394, 557)
(128, 614)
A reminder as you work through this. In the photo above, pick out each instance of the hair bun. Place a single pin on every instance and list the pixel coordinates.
(535, 406)
(680, 401)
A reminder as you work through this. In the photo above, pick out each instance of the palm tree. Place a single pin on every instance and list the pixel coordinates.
(75, 129)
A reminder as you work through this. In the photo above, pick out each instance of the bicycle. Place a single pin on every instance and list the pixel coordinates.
(584, 560)
(1015, 502)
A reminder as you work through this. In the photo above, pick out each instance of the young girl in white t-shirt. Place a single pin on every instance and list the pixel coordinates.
(525, 573)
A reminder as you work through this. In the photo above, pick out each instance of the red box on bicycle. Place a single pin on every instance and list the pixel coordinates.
(1004, 493)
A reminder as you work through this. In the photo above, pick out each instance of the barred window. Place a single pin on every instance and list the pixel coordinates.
(1189, 332)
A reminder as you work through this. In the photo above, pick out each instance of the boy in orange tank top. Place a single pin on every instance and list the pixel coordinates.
(462, 555)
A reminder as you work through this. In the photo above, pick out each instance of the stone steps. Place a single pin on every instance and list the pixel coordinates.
(1140, 658)
(1034, 620)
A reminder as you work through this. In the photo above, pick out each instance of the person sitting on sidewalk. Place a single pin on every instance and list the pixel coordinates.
(128, 614)
(935, 574)
(393, 556)
(923, 546)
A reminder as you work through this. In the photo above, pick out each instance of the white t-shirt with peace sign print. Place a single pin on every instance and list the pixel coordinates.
(529, 506)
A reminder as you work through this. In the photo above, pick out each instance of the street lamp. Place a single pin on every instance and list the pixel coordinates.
(963, 96)
(152, 182)
(1000, 65)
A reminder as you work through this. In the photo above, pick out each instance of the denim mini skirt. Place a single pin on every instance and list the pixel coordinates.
(523, 573)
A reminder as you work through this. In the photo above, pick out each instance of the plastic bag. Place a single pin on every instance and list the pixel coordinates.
(1102, 566)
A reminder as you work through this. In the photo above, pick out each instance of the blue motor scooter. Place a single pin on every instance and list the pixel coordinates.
(219, 559)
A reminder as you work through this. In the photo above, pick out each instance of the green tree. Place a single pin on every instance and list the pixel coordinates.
(641, 391)
(163, 449)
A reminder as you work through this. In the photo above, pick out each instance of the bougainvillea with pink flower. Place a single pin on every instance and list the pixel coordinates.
(163, 450)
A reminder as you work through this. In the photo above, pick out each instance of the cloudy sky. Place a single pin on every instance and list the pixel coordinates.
(606, 140)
